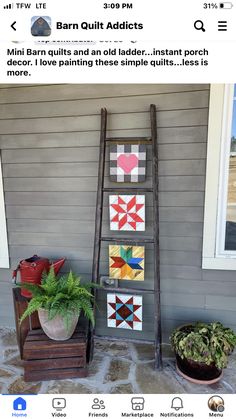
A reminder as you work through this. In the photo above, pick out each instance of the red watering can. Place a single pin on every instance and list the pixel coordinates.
(31, 271)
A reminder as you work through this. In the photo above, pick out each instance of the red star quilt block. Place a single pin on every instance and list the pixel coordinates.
(124, 311)
(127, 212)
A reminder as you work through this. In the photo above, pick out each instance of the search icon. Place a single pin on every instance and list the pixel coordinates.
(199, 25)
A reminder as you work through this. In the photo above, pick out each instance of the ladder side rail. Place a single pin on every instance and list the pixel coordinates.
(98, 222)
(99, 201)
(156, 247)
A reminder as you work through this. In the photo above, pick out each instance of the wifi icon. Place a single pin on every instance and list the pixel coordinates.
(8, 6)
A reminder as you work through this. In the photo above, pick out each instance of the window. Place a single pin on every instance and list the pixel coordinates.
(230, 224)
(219, 237)
(4, 257)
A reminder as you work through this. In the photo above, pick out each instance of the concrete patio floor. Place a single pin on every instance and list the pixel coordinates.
(117, 368)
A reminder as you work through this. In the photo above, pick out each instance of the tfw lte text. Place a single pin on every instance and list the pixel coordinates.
(28, 5)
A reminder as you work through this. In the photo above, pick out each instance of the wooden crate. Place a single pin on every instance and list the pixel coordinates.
(31, 322)
(47, 359)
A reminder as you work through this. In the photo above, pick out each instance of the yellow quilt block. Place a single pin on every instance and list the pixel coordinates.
(126, 262)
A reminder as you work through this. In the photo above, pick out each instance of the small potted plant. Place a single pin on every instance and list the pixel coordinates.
(202, 350)
(59, 302)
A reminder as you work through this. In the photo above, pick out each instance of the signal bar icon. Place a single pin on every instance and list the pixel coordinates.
(8, 6)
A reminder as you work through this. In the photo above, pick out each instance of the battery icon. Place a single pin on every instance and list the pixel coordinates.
(226, 5)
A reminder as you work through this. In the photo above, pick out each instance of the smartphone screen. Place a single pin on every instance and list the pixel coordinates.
(118, 209)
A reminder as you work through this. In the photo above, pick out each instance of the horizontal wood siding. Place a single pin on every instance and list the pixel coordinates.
(49, 139)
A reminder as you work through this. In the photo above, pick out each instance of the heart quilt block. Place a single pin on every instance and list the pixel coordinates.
(128, 163)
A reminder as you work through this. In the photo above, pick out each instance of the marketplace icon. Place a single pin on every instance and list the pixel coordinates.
(137, 403)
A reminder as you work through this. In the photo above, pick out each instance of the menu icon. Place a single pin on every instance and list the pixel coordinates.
(222, 25)
(216, 404)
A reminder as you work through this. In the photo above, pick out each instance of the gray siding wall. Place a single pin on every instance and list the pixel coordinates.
(49, 137)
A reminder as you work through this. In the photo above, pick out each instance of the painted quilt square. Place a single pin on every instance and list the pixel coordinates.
(126, 262)
(127, 212)
(128, 162)
(124, 311)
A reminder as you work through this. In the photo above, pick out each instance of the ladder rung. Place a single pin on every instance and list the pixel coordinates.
(127, 290)
(127, 240)
(140, 140)
(112, 338)
(134, 190)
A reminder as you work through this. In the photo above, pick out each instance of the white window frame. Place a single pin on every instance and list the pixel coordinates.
(218, 153)
(4, 255)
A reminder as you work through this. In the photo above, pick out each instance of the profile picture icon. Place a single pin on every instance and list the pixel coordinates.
(216, 404)
(41, 26)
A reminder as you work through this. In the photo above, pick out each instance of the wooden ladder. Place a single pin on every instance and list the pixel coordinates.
(154, 240)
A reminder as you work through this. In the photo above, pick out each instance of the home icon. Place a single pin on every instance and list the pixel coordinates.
(19, 404)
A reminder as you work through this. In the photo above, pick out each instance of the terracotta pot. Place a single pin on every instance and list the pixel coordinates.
(198, 372)
(55, 329)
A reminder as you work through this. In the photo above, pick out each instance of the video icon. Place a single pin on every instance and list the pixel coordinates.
(59, 403)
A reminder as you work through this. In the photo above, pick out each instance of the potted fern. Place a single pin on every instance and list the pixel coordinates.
(59, 302)
(202, 350)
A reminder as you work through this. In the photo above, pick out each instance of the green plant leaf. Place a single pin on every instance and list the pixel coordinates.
(209, 343)
(64, 296)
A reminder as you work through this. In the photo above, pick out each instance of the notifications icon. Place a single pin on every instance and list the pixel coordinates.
(177, 403)
(199, 25)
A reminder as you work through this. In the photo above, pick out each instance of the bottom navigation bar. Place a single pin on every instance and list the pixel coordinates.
(82, 406)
